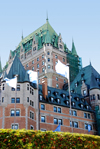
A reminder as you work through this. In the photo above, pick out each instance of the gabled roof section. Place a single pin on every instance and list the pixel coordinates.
(73, 49)
(93, 82)
(84, 74)
(17, 69)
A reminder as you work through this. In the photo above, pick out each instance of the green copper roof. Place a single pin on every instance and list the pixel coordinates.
(73, 49)
(40, 32)
(86, 75)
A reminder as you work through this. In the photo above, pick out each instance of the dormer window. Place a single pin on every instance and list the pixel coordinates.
(82, 106)
(52, 99)
(58, 100)
(63, 95)
(83, 100)
(84, 92)
(75, 84)
(56, 93)
(87, 107)
(40, 97)
(49, 92)
(67, 102)
(97, 79)
(77, 99)
(47, 44)
(73, 104)
(82, 81)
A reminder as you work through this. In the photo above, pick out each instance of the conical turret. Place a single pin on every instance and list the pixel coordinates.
(73, 49)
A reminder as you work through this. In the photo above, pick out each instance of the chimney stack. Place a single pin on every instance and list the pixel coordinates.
(44, 87)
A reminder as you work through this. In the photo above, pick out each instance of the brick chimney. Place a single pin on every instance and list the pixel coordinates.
(44, 87)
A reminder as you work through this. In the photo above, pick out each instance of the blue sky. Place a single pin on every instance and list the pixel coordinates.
(75, 19)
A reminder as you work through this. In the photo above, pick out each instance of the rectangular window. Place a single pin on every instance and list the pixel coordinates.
(13, 89)
(17, 100)
(31, 127)
(12, 100)
(76, 124)
(74, 113)
(89, 116)
(33, 62)
(70, 123)
(14, 126)
(42, 107)
(3, 88)
(17, 112)
(2, 99)
(27, 99)
(27, 86)
(55, 109)
(85, 115)
(59, 110)
(38, 59)
(42, 118)
(86, 126)
(18, 87)
(55, 121)
(12, 113)
(30, 102)
(37, 65)
(60, 121)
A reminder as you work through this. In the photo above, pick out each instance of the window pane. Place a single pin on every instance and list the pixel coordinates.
(55, 109)
(15, 126)
(89, 116)
(55, 121)
(59, 110)
(17, 100)
(17, 113)
(74, 113)
(75, 124)
(12, 112)
(42, 107)
(42, 119)
(85, 115)
(60, 121)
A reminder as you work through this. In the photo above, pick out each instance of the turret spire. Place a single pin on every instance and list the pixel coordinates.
(22, 34)
(73, 48)
(47, 17)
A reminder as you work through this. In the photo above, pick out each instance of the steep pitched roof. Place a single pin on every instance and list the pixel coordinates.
(64, 99)
(73, 49)
(85, 74)
(17, 69)
(41, 31)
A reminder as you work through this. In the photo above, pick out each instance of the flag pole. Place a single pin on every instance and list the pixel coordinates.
(0, 89)
(38, 110)
(70, 95)
(15, 103)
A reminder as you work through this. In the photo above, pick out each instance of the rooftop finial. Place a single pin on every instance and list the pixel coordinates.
(47, 17)
(22, 34)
